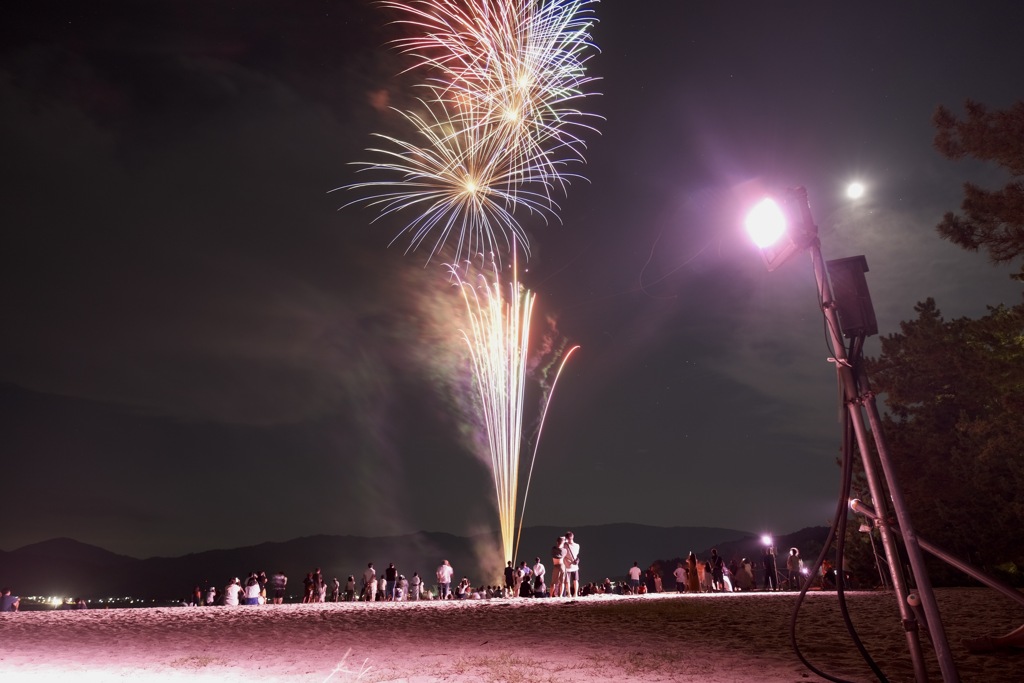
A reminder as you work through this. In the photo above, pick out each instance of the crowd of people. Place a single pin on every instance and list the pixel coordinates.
(390, 585)
(521, 579)
(713, 575)
(558, 575)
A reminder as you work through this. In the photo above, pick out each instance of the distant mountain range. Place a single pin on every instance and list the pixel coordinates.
(65, 567)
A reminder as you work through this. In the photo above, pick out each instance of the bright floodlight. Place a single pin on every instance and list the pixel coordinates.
(766, 539)
(766, 223)
(855, 190)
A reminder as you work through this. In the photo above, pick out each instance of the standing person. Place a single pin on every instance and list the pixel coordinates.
(634, 577)
(571, 563)
(415, 583)
(692, 574)
(308, 588)
(390, 581)
(745, 579)
(793, 569)
(559, 587)
(510, 580)
(680, 576)
(350, 589)
(318, 585)
(768, 562)
(382, 586)
(444, 580)
(263, 581)
(705, 576)
(717, 571)
(335, 589)
(278, 585)
(369, 583)
(656, 577)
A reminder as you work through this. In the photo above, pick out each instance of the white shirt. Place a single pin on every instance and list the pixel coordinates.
(634, 573)
(574, 550)
(231, 594)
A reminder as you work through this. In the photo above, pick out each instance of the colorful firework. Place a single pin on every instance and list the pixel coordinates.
(497, 127)
(498, 337)
(510, 68)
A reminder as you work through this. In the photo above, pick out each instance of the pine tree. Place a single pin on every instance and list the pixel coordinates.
(955, 392)
(992, 219)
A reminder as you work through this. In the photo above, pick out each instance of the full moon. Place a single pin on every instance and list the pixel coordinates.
(855, 190)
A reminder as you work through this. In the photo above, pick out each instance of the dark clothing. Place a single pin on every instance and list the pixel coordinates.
(770, 583)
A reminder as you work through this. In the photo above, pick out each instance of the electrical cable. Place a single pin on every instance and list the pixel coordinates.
(837, 528)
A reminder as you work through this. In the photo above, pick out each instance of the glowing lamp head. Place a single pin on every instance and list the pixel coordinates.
(766, 223)
(783, 227)
(766, 539)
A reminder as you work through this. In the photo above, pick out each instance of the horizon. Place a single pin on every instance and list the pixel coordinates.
(493, 533)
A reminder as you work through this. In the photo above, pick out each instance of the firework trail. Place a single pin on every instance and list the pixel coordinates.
(497, 123)
(498, 337)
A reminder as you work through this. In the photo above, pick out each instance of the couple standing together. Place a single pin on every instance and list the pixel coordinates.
(565, 567)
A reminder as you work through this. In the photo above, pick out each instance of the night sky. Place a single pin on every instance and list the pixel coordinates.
(199, 350)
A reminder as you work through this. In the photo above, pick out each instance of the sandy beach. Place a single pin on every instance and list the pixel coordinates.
(663, 637)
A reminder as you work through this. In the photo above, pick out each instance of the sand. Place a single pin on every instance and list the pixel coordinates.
(664, 637)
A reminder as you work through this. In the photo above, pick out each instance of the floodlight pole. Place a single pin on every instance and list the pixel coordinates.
(857, 401)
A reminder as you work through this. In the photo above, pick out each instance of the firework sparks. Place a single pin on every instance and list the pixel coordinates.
(498, 337)
(457, 185)
(498, 124)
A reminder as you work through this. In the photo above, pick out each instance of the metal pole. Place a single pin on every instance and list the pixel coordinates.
(855, 402)
(953, 561)
(878, 561)
(848, 385)
(913, 547)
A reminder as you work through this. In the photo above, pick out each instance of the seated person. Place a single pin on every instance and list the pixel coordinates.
(8, 602)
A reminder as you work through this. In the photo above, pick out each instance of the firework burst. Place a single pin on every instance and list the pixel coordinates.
(498, 123)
